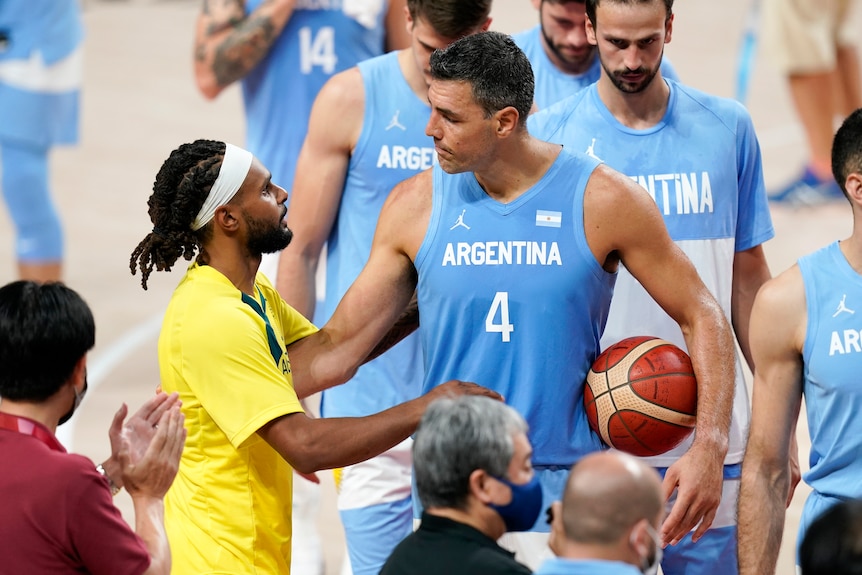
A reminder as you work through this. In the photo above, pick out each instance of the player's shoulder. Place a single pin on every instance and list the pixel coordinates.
(343, 89)
(783, 293)
(417, 185)
(549, 121)
(526, 38)
(693, 101)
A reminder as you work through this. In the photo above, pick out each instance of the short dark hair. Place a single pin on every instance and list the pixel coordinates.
(451, 18)
(832, 545)
(593, 4)
(180, 190)
(498, 71)
(847, 149)
(456, 437)
(45, 329)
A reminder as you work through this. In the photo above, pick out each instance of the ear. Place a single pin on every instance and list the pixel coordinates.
(558, 534)
(480, 486)
(486, 25)
(591, 32)
(506, 121)
(226, 217)
(853, 185)
(536, 3)
(668, 30)
(408, 20)
(79, 372)
(639, 539)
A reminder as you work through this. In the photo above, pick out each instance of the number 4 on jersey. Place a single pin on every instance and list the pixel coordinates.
(317, 51)
(504, 328)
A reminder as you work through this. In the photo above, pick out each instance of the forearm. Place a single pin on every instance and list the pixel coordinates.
(712, 353)
(761, 513)
(328, 443)
(150, 527)
(406, 324)
(229, 43)
(296, 280)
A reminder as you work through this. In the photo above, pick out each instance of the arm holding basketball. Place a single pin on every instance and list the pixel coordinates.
(623, 222)
(750, 271)
(777, 333)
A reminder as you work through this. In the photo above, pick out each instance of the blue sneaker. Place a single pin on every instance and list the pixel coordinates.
(808, 190)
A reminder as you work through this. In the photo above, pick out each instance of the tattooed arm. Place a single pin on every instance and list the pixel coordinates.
(229, 43)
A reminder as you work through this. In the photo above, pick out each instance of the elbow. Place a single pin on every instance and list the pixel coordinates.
(209, 90)
(306, 385)
(207, 84)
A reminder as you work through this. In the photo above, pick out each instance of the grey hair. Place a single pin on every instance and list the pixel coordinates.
(456, 437)
(498, 72)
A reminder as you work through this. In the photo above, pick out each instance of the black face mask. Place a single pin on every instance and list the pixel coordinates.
(79, 397)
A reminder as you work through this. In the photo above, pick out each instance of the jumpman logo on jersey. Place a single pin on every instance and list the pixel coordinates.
(843, 308)
(460, 222)
(591, 150)
(394, 123)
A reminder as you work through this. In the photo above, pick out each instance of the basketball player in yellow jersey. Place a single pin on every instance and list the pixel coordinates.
(222, 347)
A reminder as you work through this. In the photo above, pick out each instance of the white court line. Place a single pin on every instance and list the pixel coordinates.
(98, 369)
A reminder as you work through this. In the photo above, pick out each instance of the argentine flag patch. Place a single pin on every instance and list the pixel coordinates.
(548, 219)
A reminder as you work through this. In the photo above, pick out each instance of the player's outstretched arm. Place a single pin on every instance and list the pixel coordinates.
(229, 43)
(777, 334)
(623, 221)
(313, 444)
(376, 299)
(750, 271)
(318, 185)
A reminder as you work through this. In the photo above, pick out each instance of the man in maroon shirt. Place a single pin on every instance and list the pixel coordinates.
(57, 513)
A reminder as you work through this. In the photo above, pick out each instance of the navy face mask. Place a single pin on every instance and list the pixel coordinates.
(522, 511)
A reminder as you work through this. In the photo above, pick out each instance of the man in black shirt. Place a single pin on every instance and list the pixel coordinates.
(471, 465)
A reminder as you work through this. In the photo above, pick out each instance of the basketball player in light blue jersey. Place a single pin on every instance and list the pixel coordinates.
(514, 245)
(345, 172)
(41, 69)
(698, 158)
(282, 52)
(562, 59)
(805, 340)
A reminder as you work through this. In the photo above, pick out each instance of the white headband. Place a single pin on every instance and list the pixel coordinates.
(231, 175)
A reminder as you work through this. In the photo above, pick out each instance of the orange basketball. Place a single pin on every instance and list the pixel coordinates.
(641, 396)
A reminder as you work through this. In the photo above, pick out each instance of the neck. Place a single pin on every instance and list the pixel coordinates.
(637, 111)
(517, 166)
(413, 75)
(852, 249)
(481, 522)
(44, 412)
(233, 262)
(576, 551)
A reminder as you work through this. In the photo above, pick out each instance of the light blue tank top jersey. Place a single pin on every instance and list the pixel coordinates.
(391, 147)
(552, 84)
(511, 297)
(53, 29)
(320, 39)
(701, 164)
(832, 356)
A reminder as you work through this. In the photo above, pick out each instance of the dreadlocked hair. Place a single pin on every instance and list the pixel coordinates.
(180, 190)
